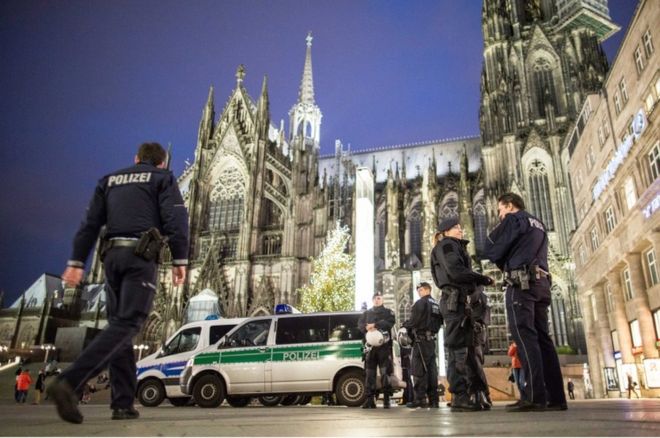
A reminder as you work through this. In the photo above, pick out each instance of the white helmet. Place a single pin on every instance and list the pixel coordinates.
(403, 337)
(375, 338)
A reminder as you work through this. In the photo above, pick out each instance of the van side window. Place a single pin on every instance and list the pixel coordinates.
(344, 328)
(218, 331)
(299, 330)
(186, 340)
(250, 333)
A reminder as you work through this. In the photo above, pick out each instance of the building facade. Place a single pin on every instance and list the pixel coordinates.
(614, 152)
(541, 58)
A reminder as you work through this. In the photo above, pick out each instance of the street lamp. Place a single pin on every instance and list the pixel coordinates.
(47, 348)
(140, 348)
(3, 349)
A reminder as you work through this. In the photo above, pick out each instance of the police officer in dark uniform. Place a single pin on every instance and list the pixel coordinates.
(480, 320)
(380, 319)
(519, 247)
(424, 323)
(135, 205)
(452, 272)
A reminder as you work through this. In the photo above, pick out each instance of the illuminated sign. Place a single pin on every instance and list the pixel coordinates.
(638, 126)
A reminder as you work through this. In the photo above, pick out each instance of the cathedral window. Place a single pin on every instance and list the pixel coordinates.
(380, 238)
(405, 309)
(227, 202)
(540, 193)
(449, 207)
(480, 227)
(544, 85)
(271, 215)
(415, 233)
(271, 244)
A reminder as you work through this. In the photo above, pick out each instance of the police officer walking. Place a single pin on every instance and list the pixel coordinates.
(519, 247)
(452, 272)
(376, 324)
(424, 323)
(135, 205)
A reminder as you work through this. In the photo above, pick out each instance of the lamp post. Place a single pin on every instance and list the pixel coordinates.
(47, 348)
(140, 348)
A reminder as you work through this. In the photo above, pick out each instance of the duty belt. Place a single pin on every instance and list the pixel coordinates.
(122, 242)
(427, 335)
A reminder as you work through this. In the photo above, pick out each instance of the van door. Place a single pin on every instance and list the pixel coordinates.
(300, 354)
(244, 357)
(176, 353)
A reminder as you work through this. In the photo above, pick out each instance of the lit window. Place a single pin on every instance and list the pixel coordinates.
(652, 266)
(631, 196)
(636, 333)
(627, 285)
(617, 103)
(624, 91)
(610, 219)
(594, 239)
(648, 43)
(639, 59)
(654, 161)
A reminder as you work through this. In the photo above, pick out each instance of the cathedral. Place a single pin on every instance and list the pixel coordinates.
(262, 199)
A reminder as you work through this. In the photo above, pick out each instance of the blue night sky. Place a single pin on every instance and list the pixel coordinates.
(83, 83)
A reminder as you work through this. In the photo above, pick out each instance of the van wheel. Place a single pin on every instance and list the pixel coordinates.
(270, 400)
(350, 390)
(290, 399)
(151, 393)
(305, 400)
(179, 401)
(209, 391)
(238, 402)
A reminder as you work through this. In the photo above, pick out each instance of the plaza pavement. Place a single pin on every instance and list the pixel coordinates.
(584, 418)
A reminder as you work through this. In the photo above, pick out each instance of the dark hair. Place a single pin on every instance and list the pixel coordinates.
(152, 153)
(423, 284)
(512, 198)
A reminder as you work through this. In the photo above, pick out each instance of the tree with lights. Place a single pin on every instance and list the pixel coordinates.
(331, 285)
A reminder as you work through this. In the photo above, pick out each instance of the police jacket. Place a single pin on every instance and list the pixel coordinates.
(129, 202)
(425, 315)
(520, 240)
(451, 265)
(381, 316)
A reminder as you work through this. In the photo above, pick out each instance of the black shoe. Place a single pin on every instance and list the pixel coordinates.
(526, 406)
(462, 403)
(513, 405)
(386, 402)
(369, 403)
(485, 401)
(556, 407)
(417, 404)
(65, 400)
(125, 414)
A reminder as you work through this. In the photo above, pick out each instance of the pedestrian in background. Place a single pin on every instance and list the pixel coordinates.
(571, 387)
(136, 205)
(23, 385)
(516, 368)
(39, 387)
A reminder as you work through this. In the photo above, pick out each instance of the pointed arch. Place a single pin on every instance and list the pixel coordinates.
(448, 207)
(538, 170)
(480, 220)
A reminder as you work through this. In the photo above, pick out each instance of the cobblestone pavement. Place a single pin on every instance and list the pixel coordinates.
(584, 418)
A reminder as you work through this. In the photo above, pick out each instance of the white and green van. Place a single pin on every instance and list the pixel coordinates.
(304, 354)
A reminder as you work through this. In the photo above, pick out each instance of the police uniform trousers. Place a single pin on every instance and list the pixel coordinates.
(457, 338)
(425, 369)
(379, 358)
(527, 312)
(475, 360)
(130, 289)
(408, 392)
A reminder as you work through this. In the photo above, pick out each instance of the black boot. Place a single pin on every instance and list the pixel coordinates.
(369, 403)
(484, 400)
(462, 403)
(386, 401)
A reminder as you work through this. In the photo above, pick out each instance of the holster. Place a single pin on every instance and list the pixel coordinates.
(104, 246)
(452, 299)
(150, 244)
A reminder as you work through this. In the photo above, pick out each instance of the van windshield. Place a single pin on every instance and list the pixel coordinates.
(249, 334)
(186, 340)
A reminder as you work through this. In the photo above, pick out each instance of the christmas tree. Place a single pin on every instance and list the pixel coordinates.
(332, 281)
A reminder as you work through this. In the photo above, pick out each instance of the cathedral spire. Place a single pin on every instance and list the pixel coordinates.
(306, 93)
(263, 111)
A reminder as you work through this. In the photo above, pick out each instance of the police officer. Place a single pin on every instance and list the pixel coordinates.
(128, 203)
(480, 320)
(452, 272)
(519, 247)
(379, 321)
(424, 323)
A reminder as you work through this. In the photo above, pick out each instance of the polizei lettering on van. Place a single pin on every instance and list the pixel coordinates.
(301, 355)
(129, 178)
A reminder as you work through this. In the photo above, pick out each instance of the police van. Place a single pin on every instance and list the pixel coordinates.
(158, 373)
(303, 354)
